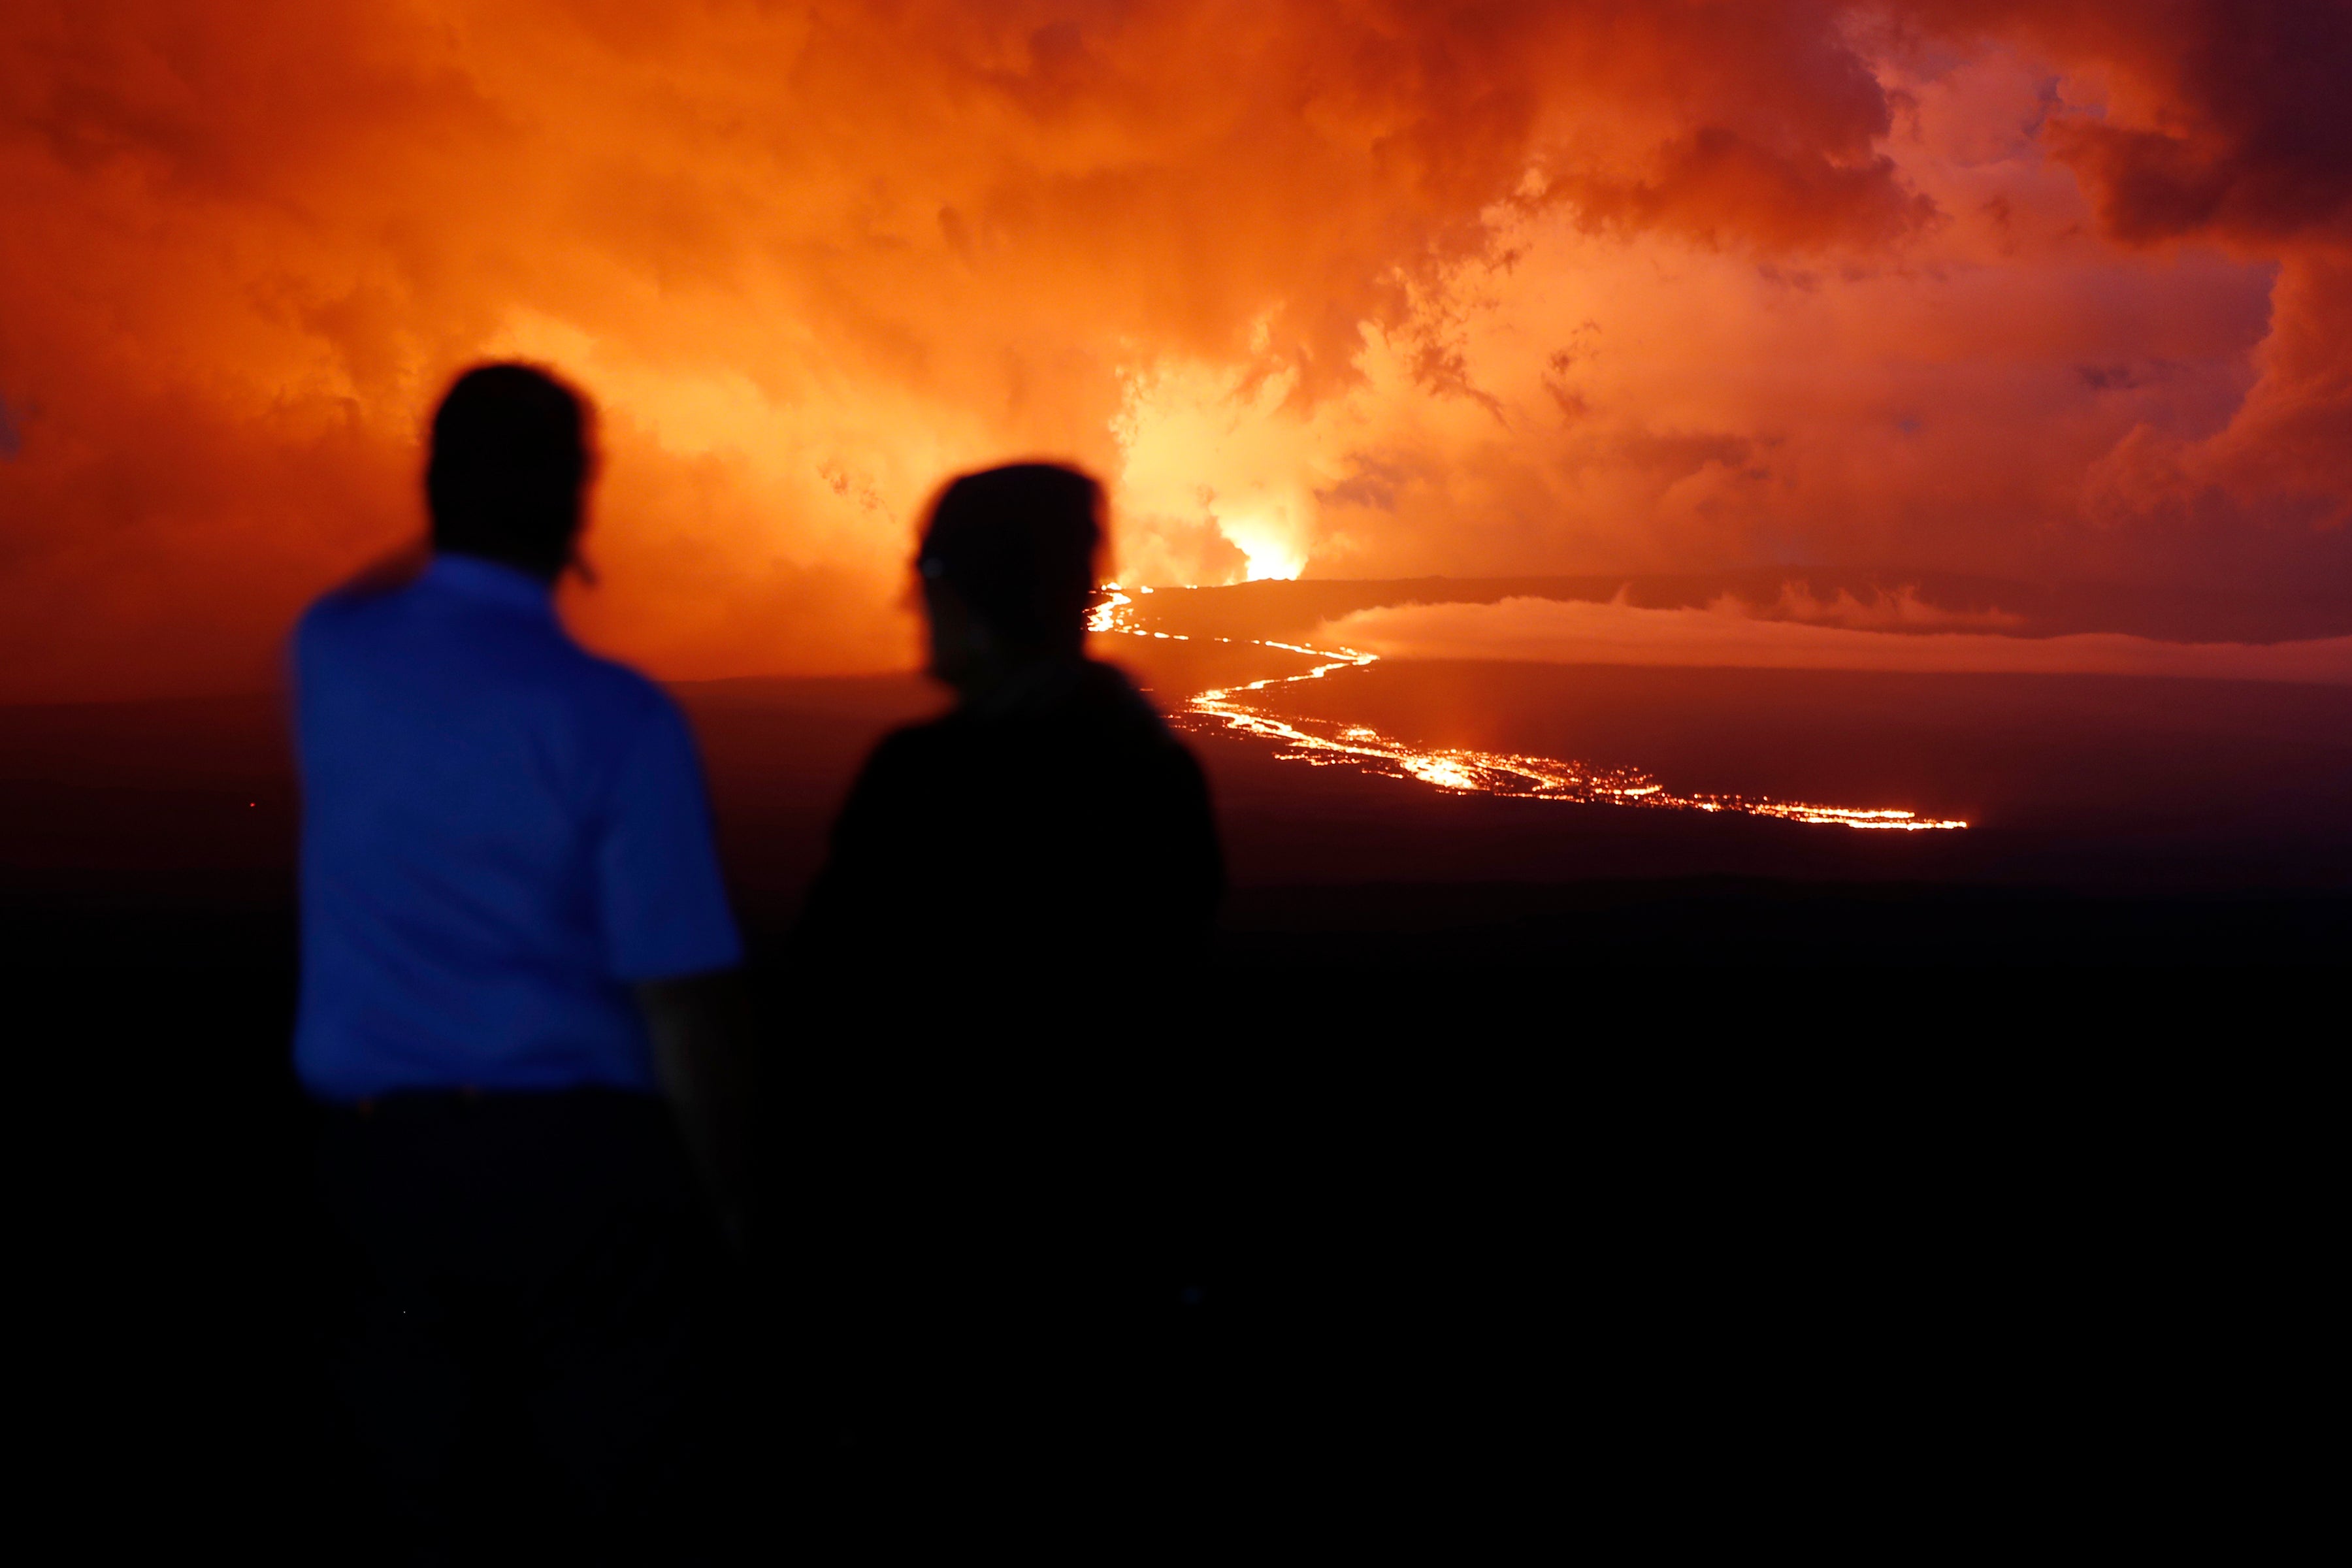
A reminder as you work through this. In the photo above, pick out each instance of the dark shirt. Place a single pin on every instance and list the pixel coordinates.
(1007, 885)
(1053, 819)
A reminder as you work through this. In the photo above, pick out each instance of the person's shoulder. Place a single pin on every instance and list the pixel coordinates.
(628, 697)
(1112, 704)
(918, 747)
(321, 621)
(910, 770)
(343, 612)
(380, 585)
(923, 760)
(622, 684)
(1150, 742)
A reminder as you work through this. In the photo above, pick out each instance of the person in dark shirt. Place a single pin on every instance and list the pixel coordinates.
(1051, 812)
(983, 1169)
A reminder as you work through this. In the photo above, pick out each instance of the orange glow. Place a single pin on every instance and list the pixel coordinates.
(1468, 772)
(1727, 634)
(1321, 288)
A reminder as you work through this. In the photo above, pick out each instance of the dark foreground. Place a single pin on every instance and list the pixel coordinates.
(1839, 1210)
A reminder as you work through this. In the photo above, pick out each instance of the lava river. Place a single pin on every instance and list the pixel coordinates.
(1327, 744)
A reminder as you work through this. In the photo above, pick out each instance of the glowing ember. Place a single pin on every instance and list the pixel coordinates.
(1466, 772)
(1101, 618)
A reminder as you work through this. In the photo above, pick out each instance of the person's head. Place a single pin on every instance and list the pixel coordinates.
(508, 468)
(1008, 564)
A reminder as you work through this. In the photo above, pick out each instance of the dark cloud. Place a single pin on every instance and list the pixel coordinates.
(1371, 483)
(1718, 186)
(1678, 455)
(2124, 377)
(2224, 123)
(2254, 143)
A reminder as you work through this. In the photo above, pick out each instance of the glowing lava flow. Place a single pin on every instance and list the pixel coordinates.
(1487, 773)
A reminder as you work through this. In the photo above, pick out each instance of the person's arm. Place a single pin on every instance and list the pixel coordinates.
(699, 1039)
(670, 935)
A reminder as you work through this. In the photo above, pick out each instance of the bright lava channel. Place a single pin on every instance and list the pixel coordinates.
(1466, 772)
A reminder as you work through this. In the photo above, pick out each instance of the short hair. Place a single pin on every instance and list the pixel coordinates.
(509, 458)
(1019, 543)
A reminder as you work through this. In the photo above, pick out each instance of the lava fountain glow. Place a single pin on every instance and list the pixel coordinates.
(1322, 744)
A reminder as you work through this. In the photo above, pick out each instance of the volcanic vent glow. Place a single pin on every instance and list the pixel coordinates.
(1323, 744)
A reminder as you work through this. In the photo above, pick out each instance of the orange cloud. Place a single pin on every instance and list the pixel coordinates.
(1902, 610)
(1366, 288)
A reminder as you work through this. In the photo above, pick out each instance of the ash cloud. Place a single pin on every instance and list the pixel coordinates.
(1315, 261)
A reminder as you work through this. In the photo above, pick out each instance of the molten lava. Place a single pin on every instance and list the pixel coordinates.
(1466, 772)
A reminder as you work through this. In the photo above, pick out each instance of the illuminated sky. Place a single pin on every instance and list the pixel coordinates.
(2038, 290)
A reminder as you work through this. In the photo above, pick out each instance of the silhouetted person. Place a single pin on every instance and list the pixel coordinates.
(512, 914)
(1009, 888)
(1051, 819)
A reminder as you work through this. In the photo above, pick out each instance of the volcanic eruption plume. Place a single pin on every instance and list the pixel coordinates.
(1364, 290)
